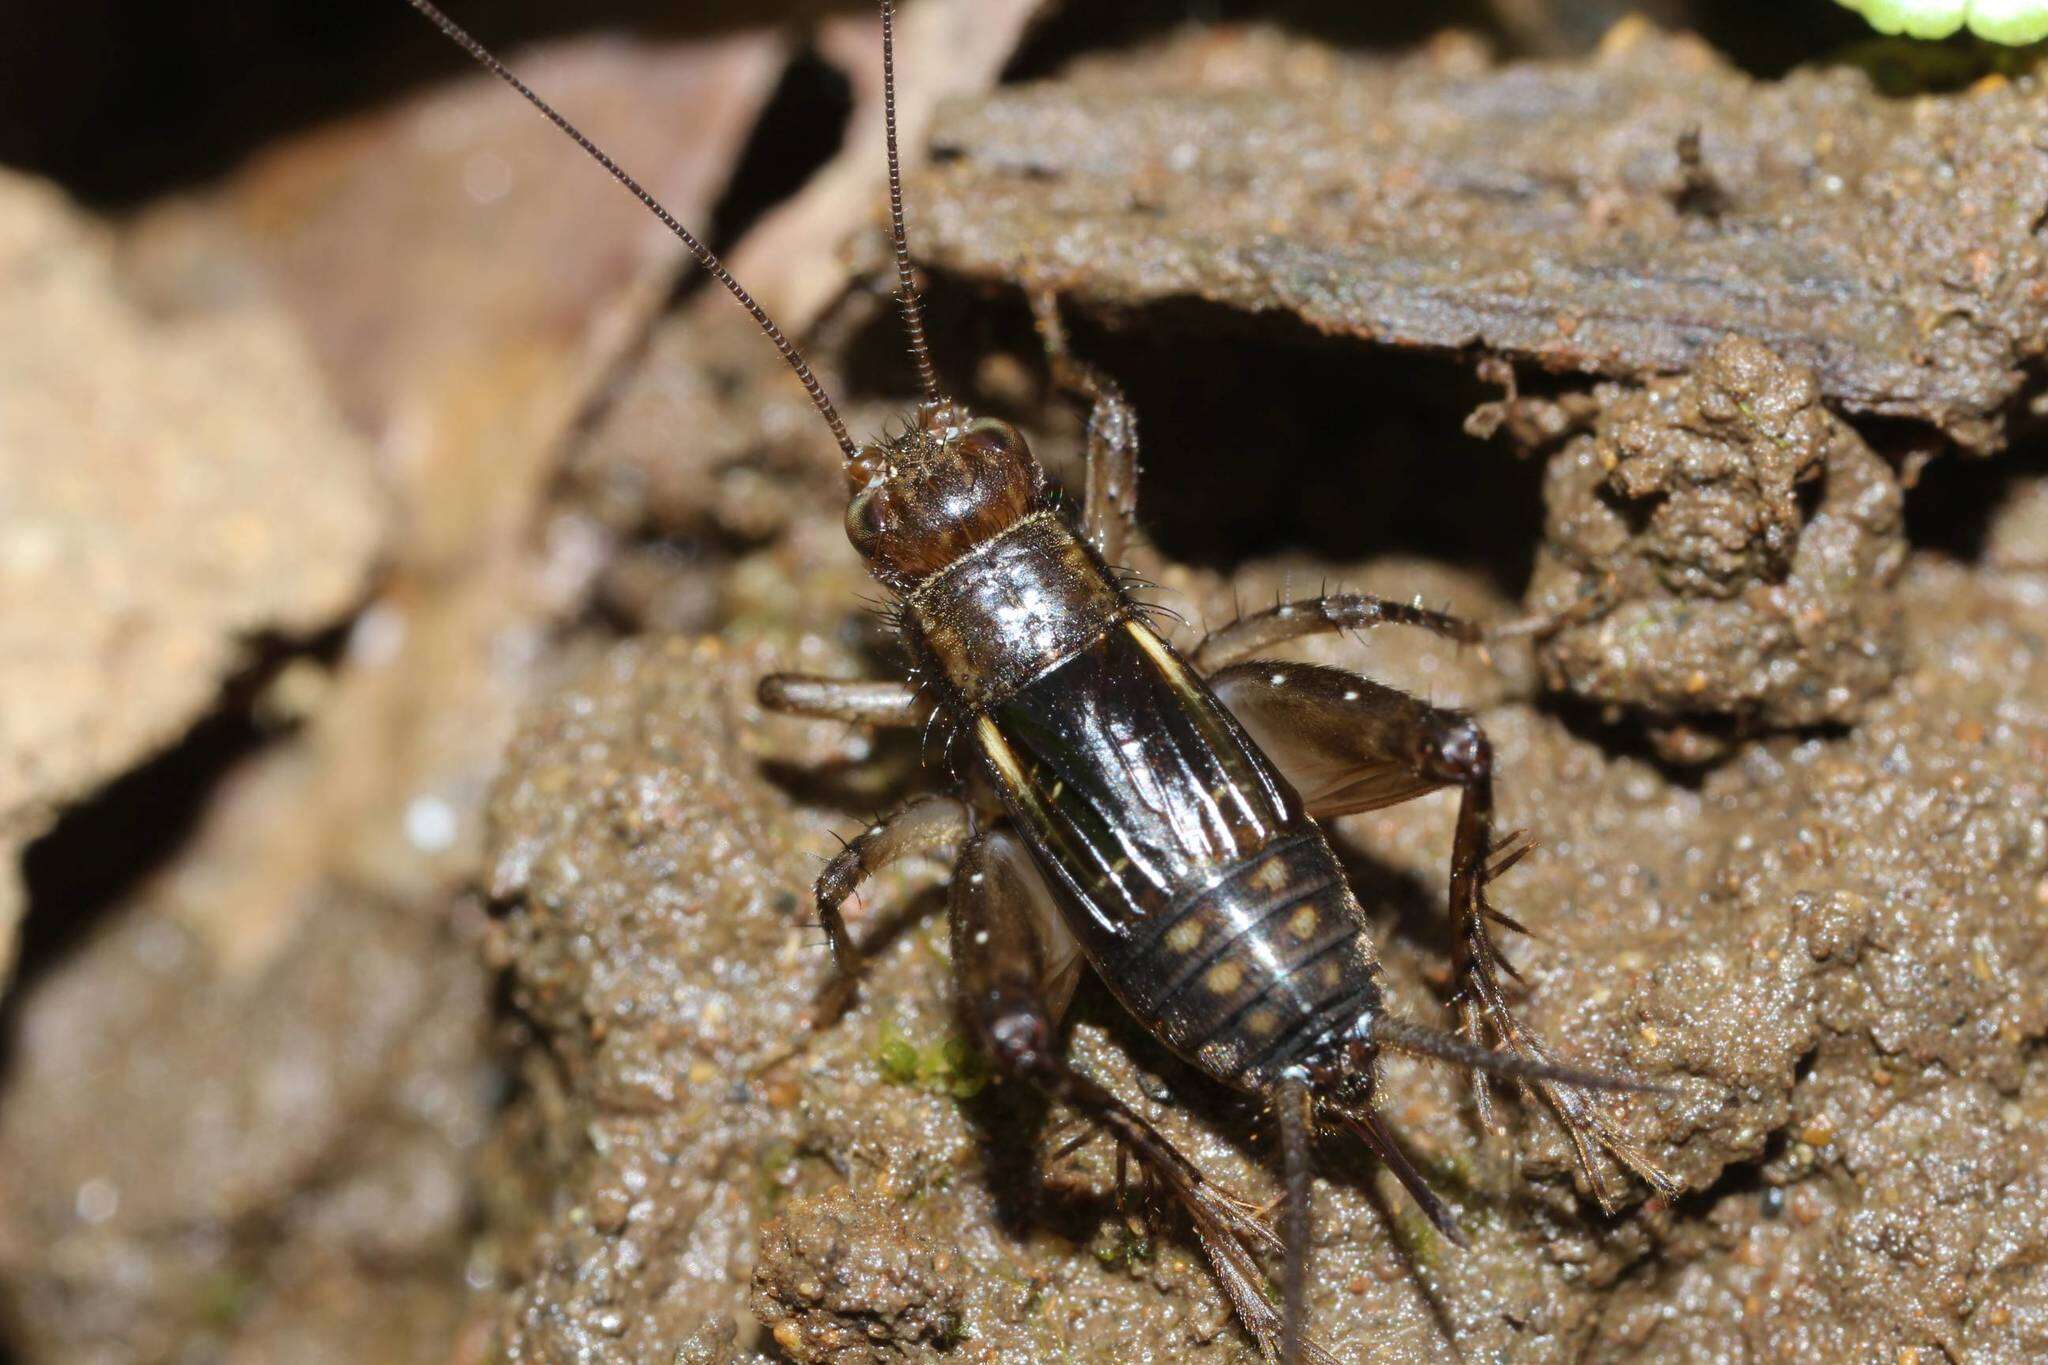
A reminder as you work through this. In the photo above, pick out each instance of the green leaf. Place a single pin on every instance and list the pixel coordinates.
(2001, 21)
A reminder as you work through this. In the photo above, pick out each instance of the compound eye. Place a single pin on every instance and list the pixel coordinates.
(871, 516)
(866, 469)
(991, 438)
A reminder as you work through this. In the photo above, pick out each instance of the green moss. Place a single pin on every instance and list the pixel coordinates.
(952, 1331)
(775, 1158)
(896, 1057)
(1122, 1247)
(224, 1297)
(963, 1070)
(952, 1066)
(1418, 1239)
(1450, 1169)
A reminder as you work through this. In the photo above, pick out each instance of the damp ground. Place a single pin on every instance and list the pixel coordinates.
(414, 951)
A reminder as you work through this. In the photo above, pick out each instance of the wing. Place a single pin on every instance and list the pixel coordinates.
(1132, 783)
(1343, 741)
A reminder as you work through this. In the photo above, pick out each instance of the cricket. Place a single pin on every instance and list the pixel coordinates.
(1153, 816)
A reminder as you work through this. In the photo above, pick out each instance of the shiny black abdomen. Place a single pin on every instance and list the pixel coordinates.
(1207, 902)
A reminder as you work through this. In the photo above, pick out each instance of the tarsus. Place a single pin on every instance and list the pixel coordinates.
(705, 257)
(1369, 1126)
(907, 295)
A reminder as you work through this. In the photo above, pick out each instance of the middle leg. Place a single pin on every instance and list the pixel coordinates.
(917, 827)
(927, 823)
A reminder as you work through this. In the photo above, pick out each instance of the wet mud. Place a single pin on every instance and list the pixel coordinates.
(467, 1011)
(1721, 548)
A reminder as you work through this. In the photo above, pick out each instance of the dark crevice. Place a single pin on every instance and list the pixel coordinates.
(1621, 733)
(1635, 512)
(146, 815)
(1769, 37)
(1950, 507)
(1624, 733)
(798, 132)
(1737, 1179)
(1261, 437)
(1766, 38)
(1069, 30)
(1807, 495)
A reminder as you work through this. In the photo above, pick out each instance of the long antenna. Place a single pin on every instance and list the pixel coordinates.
(906, 294)
(1296, 1106)
(705, 257)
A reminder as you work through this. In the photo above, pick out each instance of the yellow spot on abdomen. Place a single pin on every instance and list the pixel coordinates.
(1224, 978)
(1271, 874)
(1302, 923)
(1183, 937)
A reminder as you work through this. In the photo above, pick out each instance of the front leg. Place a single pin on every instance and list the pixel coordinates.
(1010, 948)
(1111, 499)
(856, 701)
(1327, 614)
(1350, 744)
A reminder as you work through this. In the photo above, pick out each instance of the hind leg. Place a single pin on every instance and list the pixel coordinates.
(1013, 962)
(1350, 744)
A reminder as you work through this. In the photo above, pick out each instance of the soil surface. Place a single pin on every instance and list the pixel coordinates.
(444, 987)
(1842, 1004)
